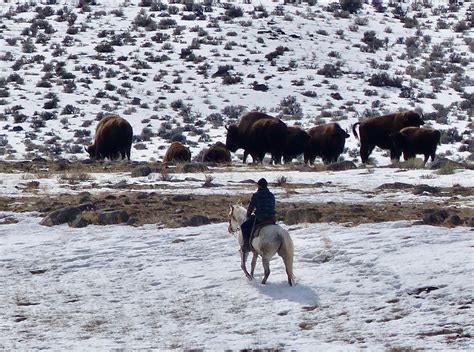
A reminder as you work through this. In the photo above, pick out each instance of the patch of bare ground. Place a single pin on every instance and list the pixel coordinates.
(172, 211)
(150, 207)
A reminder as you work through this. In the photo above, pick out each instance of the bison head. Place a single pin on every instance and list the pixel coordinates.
(413, 119)
(232, 141)
(91, 150)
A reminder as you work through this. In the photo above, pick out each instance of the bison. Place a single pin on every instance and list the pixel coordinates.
(257, 133)
(217, 153)
(113, 138)
(416, 140)
(295, 143)
(326, 141)
(376, 131)
(177, 152)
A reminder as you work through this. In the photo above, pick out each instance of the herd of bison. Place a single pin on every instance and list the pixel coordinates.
(258, 134)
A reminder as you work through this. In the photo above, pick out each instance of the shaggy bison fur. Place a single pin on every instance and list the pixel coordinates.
(177, 152)
(376, 131)
(113, 138)
(416, 140)
(326, 141)
(257, 133)
(295, 143)
(217, 153)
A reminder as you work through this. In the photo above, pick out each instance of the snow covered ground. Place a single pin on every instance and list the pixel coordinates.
(381, 286)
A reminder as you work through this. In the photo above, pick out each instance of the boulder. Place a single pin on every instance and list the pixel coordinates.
(65, 215)
(141, 171)
(78, 222)
(442, 163)
(111, 217)
(181, 198)
(435, 217)
(420, 189)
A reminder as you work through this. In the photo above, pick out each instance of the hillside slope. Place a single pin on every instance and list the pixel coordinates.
(182, 72)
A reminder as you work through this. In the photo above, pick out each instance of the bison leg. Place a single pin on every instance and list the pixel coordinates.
(427, 156)
(276, 157)
(364, 153)
(244, 158)
(395, 154)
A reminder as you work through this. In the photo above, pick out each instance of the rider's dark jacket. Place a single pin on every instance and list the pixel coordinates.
(263, 202)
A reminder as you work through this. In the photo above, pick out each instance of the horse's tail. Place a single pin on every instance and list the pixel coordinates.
(286, 251)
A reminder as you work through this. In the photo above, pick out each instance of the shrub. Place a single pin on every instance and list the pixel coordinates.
(234, 12)
(233, 112)
(352, 6)
(104, 47)
(461, 26)
(166, 23)
(280, 50)
(330, 70)
(143, 20)
(290, 106)
(373, 43)
(384, 80)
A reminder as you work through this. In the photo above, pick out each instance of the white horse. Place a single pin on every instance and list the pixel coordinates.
(270, 240)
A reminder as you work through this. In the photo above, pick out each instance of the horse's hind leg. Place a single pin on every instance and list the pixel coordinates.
(266, 269)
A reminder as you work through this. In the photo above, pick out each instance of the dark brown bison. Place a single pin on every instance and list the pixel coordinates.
(326, 141)
(113, 138)
(217, 153)
(295, 143)
(177, 152)
(257, 133)
(416, 140)
(376, 131)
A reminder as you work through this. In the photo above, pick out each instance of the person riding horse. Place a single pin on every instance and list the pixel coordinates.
(263, 202)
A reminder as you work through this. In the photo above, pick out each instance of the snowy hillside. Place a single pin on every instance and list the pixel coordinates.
(390, 286)
(182, 72)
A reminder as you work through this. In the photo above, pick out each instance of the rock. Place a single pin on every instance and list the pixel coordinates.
(65, 215)
(341, 166)
(420, 189)
(78, 222)
(132, 221)
(181, 198)
(197, 220)
(470, 222)
(111, 217)
(296, 216)
(142, 195)
(435, 217)
(442, 163)
(141, 171)
(195, 167)
(454, 220)
(395, 185)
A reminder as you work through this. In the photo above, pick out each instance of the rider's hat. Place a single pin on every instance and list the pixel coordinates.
(262, 183)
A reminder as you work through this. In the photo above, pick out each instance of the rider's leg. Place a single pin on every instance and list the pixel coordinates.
(246, 228)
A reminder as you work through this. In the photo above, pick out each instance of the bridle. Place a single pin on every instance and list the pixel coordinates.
(231, 217)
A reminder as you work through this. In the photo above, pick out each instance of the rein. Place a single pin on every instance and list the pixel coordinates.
(230, 224)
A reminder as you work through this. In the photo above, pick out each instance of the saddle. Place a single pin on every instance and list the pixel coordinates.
(257, 227)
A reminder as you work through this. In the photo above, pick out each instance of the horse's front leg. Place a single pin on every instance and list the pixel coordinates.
(253, 263)
(243, 264)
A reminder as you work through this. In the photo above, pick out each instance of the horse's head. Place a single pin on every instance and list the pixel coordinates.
(234, 225)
